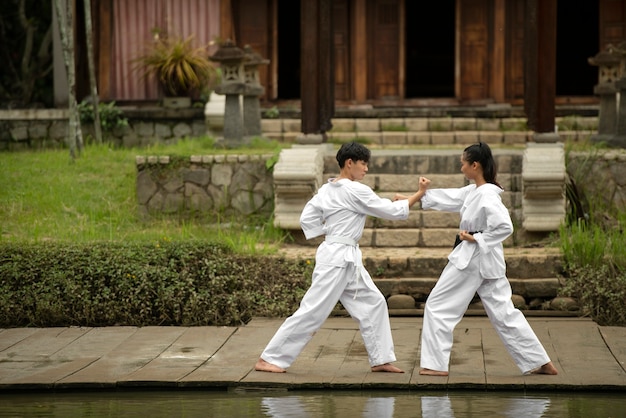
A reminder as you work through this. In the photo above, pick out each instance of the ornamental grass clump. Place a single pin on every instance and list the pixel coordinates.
(180, 67)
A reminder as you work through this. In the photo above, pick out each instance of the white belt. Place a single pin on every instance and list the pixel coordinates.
(341, 240)
(351, 242)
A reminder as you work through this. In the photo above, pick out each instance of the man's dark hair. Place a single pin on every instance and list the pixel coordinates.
(353, 151)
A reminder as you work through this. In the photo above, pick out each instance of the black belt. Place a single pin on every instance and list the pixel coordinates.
(457, 241)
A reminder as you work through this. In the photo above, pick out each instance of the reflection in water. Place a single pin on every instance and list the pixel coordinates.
(441, 407)
(313, 404)
(529, 407)
(284, 407)
(436, 406)
(383, 407)
(293, 407)
(379, 407)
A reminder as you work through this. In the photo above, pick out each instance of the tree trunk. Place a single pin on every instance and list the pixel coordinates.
(66, 28)
(92, 72)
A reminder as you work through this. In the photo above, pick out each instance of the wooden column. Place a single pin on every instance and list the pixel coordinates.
(103, 45)
(317, 81)
(540, 64)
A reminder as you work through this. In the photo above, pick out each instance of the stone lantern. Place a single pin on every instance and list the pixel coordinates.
(608, 63)
(230, 59)
(619, 139)
(253, 90)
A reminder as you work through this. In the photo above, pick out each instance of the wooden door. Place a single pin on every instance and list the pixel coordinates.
(473, 61)
(341, 49)
(612, 22)
(514, 56)
(252, 20)
(383, 40)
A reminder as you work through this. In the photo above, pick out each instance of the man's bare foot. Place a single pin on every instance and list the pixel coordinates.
(387, 367)
(547, 368)
(264, 366)
(430, 372)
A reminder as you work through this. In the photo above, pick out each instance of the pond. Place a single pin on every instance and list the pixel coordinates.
(312, 404)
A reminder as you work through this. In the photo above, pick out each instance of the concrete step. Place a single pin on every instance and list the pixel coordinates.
(432, 130)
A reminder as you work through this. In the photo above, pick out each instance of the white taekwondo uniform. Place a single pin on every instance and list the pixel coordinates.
(338, 211)
(476, 267)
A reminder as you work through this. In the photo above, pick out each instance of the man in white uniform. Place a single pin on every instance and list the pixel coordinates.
(338, 211)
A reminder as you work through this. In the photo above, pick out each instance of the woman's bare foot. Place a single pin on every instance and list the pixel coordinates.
(547, 368)
(429, 372)
(264, 366)
(387, 367)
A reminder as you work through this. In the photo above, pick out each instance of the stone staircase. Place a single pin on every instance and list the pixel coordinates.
(405, 258)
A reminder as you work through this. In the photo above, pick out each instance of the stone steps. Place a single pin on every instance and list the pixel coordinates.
(407, 275)
(432, 130)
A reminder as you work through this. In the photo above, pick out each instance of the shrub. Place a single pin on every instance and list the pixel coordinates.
(593, 243)
(111, 116)
(166, 283)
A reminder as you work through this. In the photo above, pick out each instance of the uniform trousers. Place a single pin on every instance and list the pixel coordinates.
(358, 295)
(449, 300)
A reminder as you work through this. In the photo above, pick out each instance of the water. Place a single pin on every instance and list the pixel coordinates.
(313, 404)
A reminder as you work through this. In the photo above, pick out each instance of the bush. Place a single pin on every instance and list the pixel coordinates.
(111, 116)
(593, 243)
(167, 283)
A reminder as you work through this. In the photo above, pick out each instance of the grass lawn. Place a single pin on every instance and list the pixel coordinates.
(44, 195)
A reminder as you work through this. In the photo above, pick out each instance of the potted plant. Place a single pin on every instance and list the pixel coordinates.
(181, 69)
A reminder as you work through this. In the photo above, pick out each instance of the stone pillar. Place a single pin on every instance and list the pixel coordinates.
(231, 63)
(608, 63)
(254, 89)
(543, 186)
(297, 176)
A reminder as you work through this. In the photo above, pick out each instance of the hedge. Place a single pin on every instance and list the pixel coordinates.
(167, 283)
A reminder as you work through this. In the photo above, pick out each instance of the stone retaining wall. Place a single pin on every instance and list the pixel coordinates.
(601, 175)
(205, 185)
(48, 128)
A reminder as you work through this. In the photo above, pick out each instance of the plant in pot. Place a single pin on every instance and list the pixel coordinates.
(181, 69)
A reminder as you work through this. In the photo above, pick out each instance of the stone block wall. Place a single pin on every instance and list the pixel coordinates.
(205, 185)
(603, 176)
(48, 128)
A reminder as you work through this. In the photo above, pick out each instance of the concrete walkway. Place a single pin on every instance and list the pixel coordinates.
(589, 357)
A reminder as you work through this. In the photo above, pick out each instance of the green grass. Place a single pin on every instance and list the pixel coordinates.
(44, 195)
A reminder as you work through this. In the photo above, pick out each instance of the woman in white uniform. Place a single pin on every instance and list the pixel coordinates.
(476, 265)
(338, 211)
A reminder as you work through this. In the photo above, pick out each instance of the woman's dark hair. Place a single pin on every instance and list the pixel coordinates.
(353, 151)
(481, 153)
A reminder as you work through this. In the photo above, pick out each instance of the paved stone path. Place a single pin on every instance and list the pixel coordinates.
(588, 357)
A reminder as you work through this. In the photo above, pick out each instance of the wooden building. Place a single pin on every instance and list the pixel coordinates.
(384, 52)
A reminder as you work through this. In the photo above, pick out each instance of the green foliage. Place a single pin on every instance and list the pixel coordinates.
(593, 242)
(111, 116)
(26, 54)
(600, 290)
(138, 284)
(272, 113)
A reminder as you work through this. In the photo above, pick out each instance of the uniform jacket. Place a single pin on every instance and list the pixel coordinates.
(340, 209)
(482, 210)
